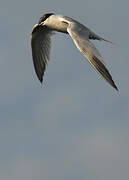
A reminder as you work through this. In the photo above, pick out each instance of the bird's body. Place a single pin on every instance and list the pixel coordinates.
(81, 35)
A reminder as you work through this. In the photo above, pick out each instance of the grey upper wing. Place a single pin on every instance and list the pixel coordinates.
(87, 48)
(94, 36)
(40, 43)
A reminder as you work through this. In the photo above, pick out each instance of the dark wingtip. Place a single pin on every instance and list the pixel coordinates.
(40, 79)
(115, 87)
(104, 72)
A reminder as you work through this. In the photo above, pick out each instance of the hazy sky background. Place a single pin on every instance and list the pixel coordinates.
(74, 126)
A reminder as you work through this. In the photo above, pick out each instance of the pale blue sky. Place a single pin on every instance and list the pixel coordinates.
(73, 126)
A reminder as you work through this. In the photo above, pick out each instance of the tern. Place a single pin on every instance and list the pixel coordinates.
(81, 35)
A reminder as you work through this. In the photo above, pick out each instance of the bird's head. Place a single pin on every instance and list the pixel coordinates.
(44, 17)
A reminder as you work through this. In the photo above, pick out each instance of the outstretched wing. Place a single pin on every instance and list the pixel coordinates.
(87, 48)
(40, 43)
(94, 36)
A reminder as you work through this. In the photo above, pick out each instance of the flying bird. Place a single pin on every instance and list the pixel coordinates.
(81, 35)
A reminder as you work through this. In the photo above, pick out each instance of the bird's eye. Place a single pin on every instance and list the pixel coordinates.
(44, 17)
(41, 20)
